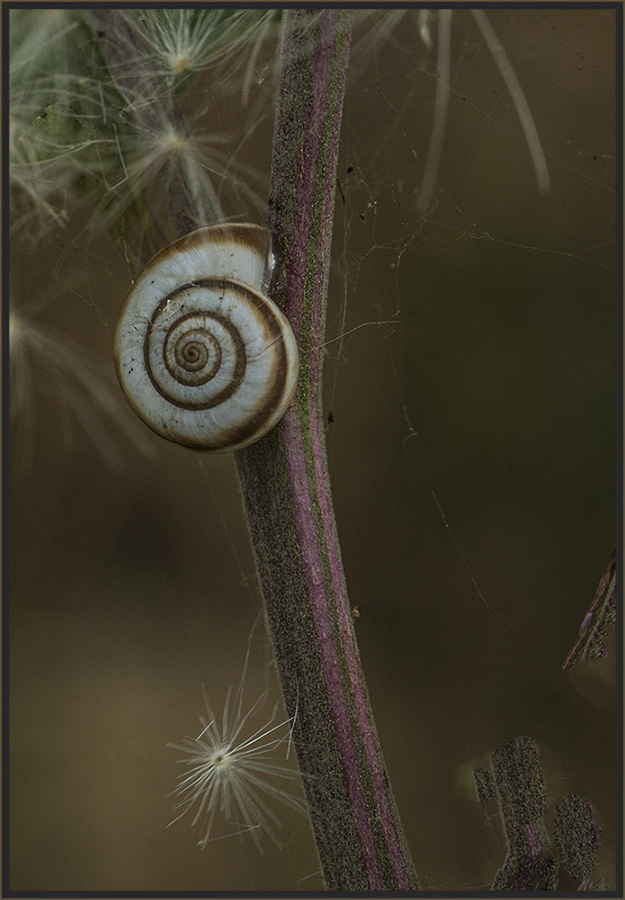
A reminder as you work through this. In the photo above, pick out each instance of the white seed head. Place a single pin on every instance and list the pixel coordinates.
(234, 776)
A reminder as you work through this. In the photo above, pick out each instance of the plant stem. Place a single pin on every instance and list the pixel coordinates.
(286, 487)
(284, 477)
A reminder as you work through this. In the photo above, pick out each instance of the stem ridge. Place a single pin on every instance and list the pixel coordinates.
(353, 812)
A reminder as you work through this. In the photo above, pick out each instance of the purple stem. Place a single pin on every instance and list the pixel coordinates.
(284, 477)
(287, 491)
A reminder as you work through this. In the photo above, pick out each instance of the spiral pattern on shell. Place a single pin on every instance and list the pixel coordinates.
(204, 357)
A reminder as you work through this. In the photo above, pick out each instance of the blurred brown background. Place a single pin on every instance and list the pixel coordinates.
(132, 580)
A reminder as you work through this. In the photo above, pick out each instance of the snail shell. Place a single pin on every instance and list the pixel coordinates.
(203, 355)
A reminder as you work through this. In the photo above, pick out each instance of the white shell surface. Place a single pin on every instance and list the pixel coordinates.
(204, 357)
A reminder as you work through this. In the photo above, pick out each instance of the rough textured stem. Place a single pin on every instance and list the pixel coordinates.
(287, 492)
(285, 477)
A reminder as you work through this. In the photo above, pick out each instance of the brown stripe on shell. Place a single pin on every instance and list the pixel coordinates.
(247, 236)
(192, 366)
(272, 335)
(273, 393)
(239, 369)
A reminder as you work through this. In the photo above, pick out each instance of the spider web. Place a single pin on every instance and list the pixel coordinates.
(469, 388)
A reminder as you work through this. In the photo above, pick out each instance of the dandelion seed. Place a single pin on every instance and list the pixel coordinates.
(185, 157)
(70, 137)
(236, 778)
(178, 42)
